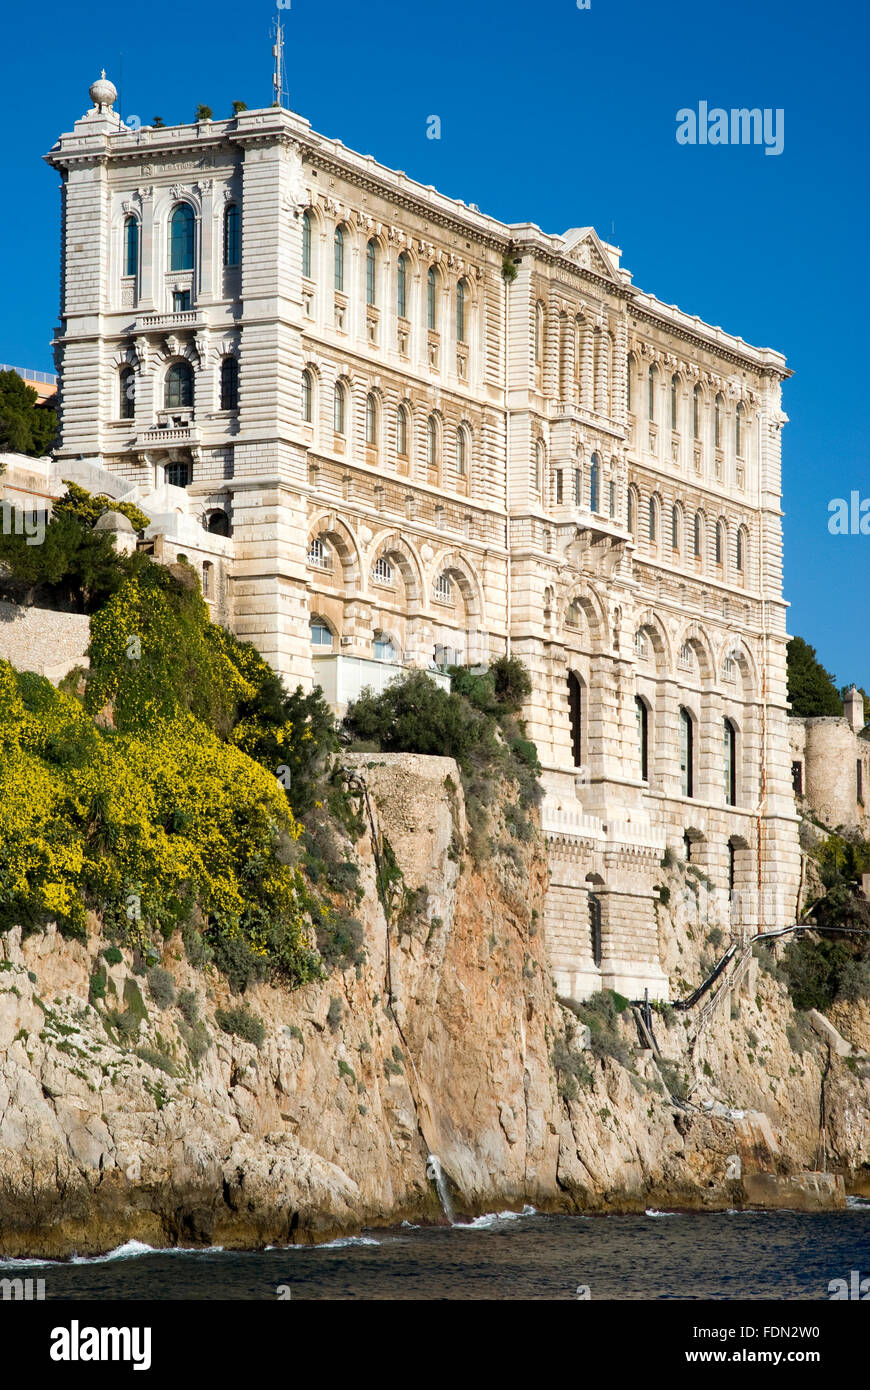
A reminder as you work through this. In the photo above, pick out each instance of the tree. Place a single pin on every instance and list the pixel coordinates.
(78, 502)
(239, 106)
(26, 427)
(203, 113)
(811, 689)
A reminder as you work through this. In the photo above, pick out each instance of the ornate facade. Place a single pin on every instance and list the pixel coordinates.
(423, 436)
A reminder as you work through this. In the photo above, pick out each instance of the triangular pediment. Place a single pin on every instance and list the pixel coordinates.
(583, 246)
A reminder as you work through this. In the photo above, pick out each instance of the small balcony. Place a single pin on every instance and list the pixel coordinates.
(344, 678)
(185, 320)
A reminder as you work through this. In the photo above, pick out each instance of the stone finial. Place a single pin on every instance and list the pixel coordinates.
(103, 92)
(853, 709)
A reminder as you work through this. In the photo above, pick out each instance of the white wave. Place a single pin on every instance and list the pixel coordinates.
(858, 1203)
(131, 1250)
(651, 1211)
(492, 1218)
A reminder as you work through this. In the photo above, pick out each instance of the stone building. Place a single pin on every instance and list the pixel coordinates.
(426, 437)
(831, 766)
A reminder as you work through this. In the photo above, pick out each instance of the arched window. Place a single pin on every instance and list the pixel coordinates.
(642, 716)
(578, 487)
(717, 421)
(652, 381)
(675, 527)
(384, 648)
(539, 333)
(131, 246)
(575, 717)
(231, 235)
(339, 258)
(371, 420)
(307, 397)
(177, 474)
(371, 271)
(738, 430)
(460, 312)
(675, 401)
(219, 523)
(382, 571)
(461, 453)
(741, 550)
(182, 226)
(442, 588)
(229, 384)
(321, 634)
(687, 753)
(696, 413)
(126, 393)
(339, 408)
(402, 287)
(631, 510)
(178, 386)
(611, 499)
(729, 752)
(697, 536)
(720, 542)
(402, 431)
(629, 372)
(207, 578)
(431, 300)
(540, 465)
(594, 483)
(653, 519)
(306, 245)
(432, 442)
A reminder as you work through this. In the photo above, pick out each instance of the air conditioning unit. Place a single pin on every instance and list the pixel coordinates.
(346, 641)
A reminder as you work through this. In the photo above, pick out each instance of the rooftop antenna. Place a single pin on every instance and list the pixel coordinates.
(279, 91)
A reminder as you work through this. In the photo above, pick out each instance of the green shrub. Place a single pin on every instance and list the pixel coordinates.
(335, 1013)
(188, 1006)
(161, 987)
(112, 956)
(97, 986)
(158, 1059)
(242, 1023)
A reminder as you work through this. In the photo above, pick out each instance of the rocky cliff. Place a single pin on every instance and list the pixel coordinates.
(445, 1038)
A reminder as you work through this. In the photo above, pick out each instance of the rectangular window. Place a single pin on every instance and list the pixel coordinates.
(180, 301)
(859, 779)
(559, 485)
(797, 778)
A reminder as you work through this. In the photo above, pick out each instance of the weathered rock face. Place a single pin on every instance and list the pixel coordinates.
(328, 1125)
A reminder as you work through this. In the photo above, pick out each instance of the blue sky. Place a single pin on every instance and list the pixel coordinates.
(555, 115)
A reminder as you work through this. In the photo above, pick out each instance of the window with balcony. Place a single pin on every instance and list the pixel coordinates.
(382, 571)
(178, 387)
